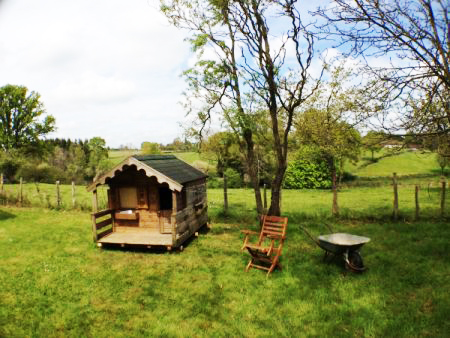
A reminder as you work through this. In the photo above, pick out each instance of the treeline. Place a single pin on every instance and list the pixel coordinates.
(50, 160)
(177, 145)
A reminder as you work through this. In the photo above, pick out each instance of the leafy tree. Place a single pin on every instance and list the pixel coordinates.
(415, 35)
(223, 148)
(98, 155)
(372, 141)
(20, 115)
(324, 125)
(149, 148)
(250, 72)
(443, 161)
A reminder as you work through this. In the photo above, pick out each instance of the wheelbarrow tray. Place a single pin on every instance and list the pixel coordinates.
(339, 243)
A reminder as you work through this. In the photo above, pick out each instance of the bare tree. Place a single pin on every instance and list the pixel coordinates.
(415, 36)
(263, 56)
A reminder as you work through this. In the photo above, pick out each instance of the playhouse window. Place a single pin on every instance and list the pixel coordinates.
(165, 198)
(128, 197)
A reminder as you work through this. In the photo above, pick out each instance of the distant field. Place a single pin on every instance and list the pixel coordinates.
(403, 163)
(116, 156)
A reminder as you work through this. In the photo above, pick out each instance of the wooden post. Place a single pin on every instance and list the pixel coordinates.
(94, 201)
(265, 198)
(73, 194)
(416, 195)
(173, 219)
(443, 185)
(394, 182)
(1, 183)
(225, 194)
(58, 195)
(94, 228)
(21, 192)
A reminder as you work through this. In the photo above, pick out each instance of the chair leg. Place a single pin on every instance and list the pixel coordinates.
(273, 266)
(249, 265)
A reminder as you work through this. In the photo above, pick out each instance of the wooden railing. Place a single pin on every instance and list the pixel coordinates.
(101, 229)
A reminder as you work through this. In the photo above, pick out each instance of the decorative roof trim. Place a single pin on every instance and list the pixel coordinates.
(149, 172)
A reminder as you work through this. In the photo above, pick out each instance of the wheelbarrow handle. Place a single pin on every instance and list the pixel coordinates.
(309, 235)
(329, 227)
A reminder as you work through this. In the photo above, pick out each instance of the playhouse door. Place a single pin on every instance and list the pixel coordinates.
(165, 226)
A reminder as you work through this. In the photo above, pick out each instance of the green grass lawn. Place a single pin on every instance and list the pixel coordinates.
(56, 282)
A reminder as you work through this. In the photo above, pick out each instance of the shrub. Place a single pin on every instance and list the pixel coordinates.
(42, 173)
(303, 174)
(233, 178)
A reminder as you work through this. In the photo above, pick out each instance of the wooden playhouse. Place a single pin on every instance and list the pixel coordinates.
(153, 200)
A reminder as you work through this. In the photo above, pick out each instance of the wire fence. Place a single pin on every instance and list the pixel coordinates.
(399, 199)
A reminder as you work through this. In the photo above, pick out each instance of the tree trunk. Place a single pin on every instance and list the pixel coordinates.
(252, 169)
(275, 202)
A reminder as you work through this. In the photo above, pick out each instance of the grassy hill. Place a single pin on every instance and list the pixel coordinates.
(404, 163)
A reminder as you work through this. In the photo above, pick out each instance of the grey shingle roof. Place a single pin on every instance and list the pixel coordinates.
(172, 167)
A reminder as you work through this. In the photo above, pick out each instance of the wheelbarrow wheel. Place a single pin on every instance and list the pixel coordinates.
(355, 261)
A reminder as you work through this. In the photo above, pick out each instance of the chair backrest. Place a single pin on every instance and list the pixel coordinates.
(274, 227)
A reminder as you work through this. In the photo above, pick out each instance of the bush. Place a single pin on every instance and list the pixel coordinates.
(303, 174)
(42, 173)
(214, 182)
(9, 167)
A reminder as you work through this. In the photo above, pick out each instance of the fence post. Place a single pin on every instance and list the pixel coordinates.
(1, 183)
(58, 195)
(416, 195)
(21, 192)
(395, 212)
(73, 194)
(443, 185)
(94, 201)
(225, 194)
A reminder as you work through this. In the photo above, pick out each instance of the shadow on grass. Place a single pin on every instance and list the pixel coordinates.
(6, 215)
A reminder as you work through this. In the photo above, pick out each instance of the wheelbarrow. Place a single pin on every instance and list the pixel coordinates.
(341, 244)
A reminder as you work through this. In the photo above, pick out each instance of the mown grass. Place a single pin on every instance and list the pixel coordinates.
(55, 282)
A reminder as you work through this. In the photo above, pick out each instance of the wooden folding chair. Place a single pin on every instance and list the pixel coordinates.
(267, 251)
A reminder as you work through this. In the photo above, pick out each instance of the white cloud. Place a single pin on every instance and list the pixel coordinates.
(104, 68)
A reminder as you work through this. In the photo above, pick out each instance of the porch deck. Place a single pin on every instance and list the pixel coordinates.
(137, 238)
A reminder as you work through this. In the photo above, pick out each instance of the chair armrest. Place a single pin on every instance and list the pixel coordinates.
(247, 233)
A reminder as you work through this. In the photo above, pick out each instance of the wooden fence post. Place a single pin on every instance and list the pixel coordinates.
(1, 183)
(58, 195)
(94, 201)
(21, 192)
(443, 185)
(416, 196)
(73, 194)
(395, 212)
(225, 194)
